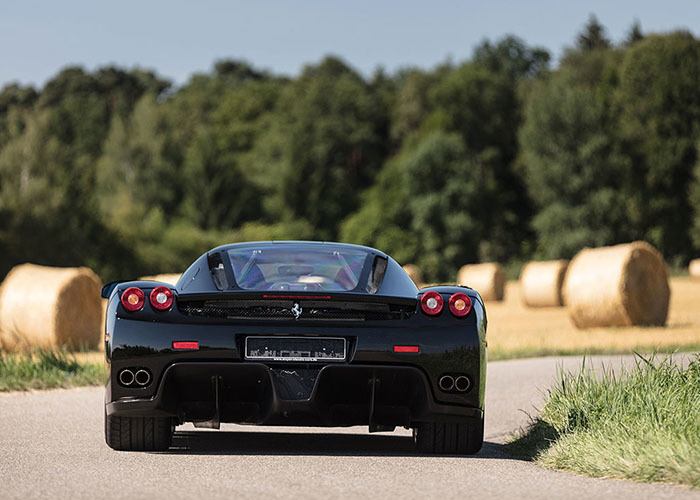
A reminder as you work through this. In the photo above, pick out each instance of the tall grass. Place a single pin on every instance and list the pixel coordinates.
(47, 369)
(641, 424)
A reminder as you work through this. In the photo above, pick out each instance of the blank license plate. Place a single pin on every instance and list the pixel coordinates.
(304, 349)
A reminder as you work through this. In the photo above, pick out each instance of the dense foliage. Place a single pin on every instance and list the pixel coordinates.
(498, 157)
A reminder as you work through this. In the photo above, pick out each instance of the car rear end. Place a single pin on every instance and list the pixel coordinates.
(311, 358)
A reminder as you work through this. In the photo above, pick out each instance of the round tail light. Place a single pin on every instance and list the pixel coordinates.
(133, 299)
(161, 298)
(460, 304)
(431, 303)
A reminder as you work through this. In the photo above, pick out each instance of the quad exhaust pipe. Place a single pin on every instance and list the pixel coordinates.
(126, 377)
(448, 383)
(462, 383)
(130, 376)
(142, 377)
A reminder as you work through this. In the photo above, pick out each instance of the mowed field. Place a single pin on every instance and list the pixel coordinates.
(518, 331)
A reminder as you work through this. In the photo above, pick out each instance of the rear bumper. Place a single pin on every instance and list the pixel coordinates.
(332, 395)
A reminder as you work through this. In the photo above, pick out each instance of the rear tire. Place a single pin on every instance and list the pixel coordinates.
(138, 433)
(444, 438)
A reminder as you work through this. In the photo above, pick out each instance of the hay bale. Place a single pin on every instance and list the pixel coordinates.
(694, 268)
(171, 278)
(487, 279)
(541, 283)
(50, 307)
(621, 285)
(414, 273)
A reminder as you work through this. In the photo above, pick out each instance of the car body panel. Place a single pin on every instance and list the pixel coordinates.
(374, 385)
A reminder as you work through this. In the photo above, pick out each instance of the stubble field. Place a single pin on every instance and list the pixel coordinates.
(517, 331)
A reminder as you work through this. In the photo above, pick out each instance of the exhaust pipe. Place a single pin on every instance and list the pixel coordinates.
(446, 383)
(142, 377)
(462, 383)
(126, 377)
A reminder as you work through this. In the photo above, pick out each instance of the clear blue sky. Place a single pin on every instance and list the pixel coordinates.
(177, 38)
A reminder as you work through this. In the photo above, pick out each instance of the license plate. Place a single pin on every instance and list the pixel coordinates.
(296, 349)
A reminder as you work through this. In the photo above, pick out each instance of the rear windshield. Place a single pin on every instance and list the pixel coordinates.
(298, 268)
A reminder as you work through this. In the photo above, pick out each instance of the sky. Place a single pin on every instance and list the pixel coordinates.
(176, 38)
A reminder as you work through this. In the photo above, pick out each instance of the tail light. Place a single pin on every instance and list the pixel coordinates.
(133, 299)
(460, 304)
(431, 303)
(161, 298)
(407, 348)
(186, 345)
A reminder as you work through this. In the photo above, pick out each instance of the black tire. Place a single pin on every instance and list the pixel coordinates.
(449, 438)
(138, 433)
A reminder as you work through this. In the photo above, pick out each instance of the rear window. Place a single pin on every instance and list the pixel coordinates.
(297, 268)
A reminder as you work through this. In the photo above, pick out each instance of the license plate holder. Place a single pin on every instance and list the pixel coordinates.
(296, 349)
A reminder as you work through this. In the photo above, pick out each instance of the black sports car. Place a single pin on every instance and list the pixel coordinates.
(295, 333)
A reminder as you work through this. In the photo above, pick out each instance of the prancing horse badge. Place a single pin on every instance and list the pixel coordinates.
(296, 310)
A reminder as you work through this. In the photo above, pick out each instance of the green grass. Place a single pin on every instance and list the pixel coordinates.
(47, 369)
(498, 354)
(641, 424)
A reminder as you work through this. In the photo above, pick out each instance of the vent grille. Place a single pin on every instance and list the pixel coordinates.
(285, 310)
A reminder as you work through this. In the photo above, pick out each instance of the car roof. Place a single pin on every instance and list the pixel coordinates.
(248, 244)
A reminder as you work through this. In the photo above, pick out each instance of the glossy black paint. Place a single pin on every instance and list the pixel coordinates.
(375, 386)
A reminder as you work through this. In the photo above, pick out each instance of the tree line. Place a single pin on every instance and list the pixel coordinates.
(502, 157)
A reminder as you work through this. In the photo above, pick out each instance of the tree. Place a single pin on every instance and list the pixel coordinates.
(133, 173)
(448, 199)
(634, 34)
(483, 108)
(217, 193)
(428, 207)
(575, 172)
(593, 36)
(411, 105)
(15, 102)
(512, 57)
(47, 167)
(694, 199)
(659, 98)
(328, 125)
(383, 218)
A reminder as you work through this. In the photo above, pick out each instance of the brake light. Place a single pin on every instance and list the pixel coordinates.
(133, 299)
(460, 304)
(296, 297)
(431, 303)
(185, 345)
(407, 348)
(161, 298)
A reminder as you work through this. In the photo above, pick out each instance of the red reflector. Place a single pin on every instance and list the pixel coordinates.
(406, 348)
(181, 345)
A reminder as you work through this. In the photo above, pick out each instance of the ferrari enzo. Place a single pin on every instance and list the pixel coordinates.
(295, 334)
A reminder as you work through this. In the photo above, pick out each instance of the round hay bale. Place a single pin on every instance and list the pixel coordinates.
(50, 307)
(171, 278)
(414, 273)
(694, 268)
(541, 283)
(487, 279)
(621, 285)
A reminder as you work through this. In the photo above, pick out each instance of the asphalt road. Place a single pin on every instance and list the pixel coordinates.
(52, 446)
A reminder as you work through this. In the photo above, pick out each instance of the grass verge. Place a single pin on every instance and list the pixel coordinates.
(499, 354)
(641, 424)
(48, 369)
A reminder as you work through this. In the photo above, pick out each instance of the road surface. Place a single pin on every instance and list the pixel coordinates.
(52, 446)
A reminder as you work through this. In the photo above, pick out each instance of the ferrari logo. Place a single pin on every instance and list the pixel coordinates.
(296, 310)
